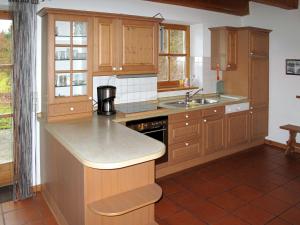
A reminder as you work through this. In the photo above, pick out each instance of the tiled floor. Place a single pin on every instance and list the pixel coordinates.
(257, 187)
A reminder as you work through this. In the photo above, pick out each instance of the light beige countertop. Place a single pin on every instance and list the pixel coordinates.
(100, 143)
(103, 143)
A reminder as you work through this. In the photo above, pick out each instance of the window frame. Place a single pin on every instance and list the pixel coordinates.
(6, 15)
(169, 84)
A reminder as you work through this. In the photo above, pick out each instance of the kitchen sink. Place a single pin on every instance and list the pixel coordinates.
(194, 102)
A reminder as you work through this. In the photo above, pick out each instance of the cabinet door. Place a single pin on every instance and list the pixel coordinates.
(69, 51)
(259, 120)
(139, 47)
(182, 131)
(237, 127)
(213, 134)
(259, 68)
(224, 48)
(105, 45)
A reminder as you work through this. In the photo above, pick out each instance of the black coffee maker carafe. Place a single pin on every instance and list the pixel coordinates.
(106, 97)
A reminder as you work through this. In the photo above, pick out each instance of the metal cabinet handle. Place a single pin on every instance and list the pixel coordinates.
(121, 68)
(251, 107)
(187, 116)
(258, 56)
(90, 98)
(114, 68)
(215, 110)
(204, 121)
(251, 112)
(187, 144)
(228, 66)
(72, 109)
(186, 124)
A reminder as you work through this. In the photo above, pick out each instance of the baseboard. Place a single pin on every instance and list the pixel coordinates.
(37, 188)
(280, 145)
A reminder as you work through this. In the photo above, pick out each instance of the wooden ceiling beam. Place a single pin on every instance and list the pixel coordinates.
(234, 7)
(285, 4)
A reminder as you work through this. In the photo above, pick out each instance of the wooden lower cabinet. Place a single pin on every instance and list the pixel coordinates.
(181, 131)
(213, 132)
(259, 121)
(237, 129)
(184, 151)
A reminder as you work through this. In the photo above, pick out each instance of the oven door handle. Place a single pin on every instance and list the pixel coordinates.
(149, 132)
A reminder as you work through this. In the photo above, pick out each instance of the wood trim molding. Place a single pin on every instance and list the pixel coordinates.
(280, 145)
(4, 14)
(292, 4)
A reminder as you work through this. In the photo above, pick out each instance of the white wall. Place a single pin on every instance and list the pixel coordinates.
(284, 44)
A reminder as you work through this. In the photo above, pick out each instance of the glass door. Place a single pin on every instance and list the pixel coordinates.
(71, 59)
(6, 111)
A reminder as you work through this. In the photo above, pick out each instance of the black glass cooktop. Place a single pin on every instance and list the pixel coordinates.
(136, 107)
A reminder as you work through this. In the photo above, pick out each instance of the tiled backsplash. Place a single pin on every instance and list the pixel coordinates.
(138, 88)
(129, 89)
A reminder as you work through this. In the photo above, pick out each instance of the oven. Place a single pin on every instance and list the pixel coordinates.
(157, 128)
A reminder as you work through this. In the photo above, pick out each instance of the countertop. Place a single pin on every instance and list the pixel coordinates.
(103, 143)
(100, 143)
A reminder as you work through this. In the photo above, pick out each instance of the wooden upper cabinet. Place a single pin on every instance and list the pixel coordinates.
(104, 44)
(139, 47)
(259, 44)
(125, 46)
(224, 48)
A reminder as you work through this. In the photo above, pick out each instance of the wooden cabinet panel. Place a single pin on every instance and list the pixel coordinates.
(213, 132)
(104, 44)
(214, 111)
(139, 46)
(181, 131)
(259, 121)
(224, 48)
(259, 43)
(237, 129)
(184, 151)
(69, 108)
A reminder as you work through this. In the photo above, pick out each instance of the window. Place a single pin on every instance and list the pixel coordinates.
(174, 53)
(6, 152)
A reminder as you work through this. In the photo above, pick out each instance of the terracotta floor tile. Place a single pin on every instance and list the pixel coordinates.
(183, 218)
(227, 201)
(22, 216)
(225, 181)
(246, 193)
(208, 189)
(170, 186)
(292, 216)
(271, 204)
(208, 173)
(286, 195)
(208, 212)
(254, 215)
(293, 186)
(186, 199)
(165, 208)
(231, 220)
(9, 206)
(278, 221)
(277, 179)
(187, 179)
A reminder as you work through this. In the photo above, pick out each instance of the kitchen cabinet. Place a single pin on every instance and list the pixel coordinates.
(213, 130)
(259, 121)
(251, 78)
(224, 48)
(125, 45)
(184, 136)
(66, 65)
(237, 129)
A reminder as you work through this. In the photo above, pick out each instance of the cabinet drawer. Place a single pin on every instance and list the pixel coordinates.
(178, 117)
(184, 151)
(214, 111)
(69, 108)
(182, 131)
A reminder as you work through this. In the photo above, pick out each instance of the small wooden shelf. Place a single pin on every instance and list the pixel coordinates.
(128, 201)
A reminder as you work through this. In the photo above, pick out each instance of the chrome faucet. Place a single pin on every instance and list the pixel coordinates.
(189, 96)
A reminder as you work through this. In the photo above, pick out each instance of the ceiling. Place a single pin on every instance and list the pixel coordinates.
(234, 7)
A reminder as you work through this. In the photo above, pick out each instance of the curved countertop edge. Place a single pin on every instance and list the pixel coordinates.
(107, 165)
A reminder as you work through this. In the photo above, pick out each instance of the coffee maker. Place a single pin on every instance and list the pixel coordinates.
(106, 97)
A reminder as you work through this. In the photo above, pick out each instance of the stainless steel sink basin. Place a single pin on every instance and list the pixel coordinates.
(194, 102)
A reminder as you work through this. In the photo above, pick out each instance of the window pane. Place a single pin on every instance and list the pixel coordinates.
(163, 41)
(62, 84)
(5, 41)
(79, 58)
(163, 68)
(79, 84)
(62, 58)
(177, 41)
(177, 68)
